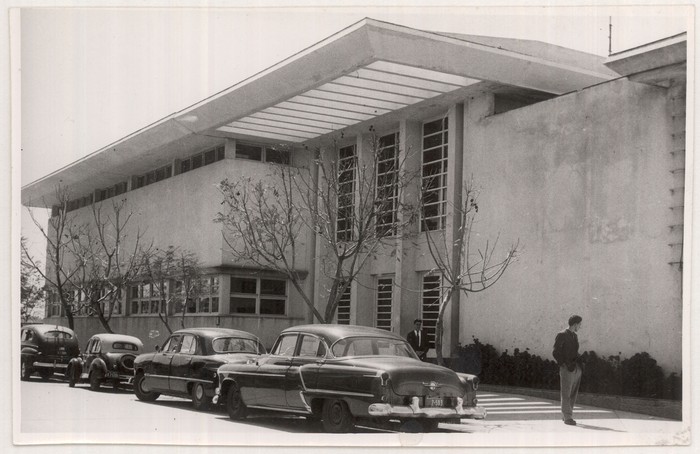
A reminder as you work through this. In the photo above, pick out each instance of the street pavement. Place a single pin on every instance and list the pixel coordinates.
(517, 413)
(51, 411)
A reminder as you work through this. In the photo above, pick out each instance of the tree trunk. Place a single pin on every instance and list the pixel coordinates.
(446, 298)
(101, 317)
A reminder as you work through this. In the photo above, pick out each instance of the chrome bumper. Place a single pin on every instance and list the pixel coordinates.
(415, 411)
(53, 365)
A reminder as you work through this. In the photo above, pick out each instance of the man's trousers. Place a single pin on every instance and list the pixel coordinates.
(570, 382)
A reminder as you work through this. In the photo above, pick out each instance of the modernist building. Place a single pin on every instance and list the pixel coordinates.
(580, 158)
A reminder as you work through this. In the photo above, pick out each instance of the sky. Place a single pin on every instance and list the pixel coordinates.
(92, 76)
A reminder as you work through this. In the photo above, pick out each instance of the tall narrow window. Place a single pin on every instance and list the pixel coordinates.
(344, 306)
(385, 287)
(434, 175)
(387, 187)
(430, 299)
(347, 167)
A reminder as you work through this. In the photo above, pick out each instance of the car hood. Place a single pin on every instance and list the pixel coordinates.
(412, 377)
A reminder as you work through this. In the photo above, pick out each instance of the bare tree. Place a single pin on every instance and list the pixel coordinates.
(106, 262)
(61, 269)
(31, 293)
(462, 268)
(354, 204)
(174, 275)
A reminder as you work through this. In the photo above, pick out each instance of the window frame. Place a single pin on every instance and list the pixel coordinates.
(259, 296)
(439, 189)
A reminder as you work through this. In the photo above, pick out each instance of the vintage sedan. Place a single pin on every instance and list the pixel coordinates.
(186, 365)
(342, 374)
(46, 349)
(108, 358)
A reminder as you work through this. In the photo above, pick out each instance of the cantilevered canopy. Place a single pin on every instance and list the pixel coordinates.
(369, 70)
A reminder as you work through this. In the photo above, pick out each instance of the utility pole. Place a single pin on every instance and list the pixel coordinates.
(609, 36)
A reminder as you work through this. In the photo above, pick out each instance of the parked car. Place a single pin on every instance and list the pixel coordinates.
(342, 374)
(108, 358)
(46, 349)
(186, 365)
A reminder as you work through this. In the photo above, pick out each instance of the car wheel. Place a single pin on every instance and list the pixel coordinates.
(234, 403)
(199, 397)
(25, 372)
(70, 376)
(337, 417)
(45, 374)
(95, 381)
(143, 393)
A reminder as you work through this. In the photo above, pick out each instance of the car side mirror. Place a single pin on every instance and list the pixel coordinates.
(157, 348)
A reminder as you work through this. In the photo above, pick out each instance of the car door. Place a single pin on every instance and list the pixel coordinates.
(311, 354)
(181, 364)
(159, 379)
(271, 373)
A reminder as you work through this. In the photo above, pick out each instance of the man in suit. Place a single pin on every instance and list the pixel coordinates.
(418, 339)
(570, 367)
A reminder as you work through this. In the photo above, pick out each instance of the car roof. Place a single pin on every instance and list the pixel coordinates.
(46, 327)
(110, 337)
(217, 332)
(333, 333)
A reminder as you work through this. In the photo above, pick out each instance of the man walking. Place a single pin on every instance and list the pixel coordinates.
(418, 339)
(570, 367)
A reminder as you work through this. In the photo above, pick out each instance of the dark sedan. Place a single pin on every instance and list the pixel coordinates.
(186, 365)
(342, 374)
(46, 349)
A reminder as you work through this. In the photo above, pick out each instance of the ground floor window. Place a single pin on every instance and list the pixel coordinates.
(430, 304)
(344, 306)
(261, 296)
(145, 299)
(385, 287)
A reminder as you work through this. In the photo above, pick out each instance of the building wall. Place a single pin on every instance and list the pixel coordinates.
(584, 182)
(179, 211)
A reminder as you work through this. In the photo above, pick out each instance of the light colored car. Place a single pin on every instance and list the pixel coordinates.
(342, 374)
(108, 358)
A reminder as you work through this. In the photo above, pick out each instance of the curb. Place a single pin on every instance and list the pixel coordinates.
(662, 408)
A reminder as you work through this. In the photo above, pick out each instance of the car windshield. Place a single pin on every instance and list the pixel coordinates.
(125, 346)
(237, 345)
(372, 346)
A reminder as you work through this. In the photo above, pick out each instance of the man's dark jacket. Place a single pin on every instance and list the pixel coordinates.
(421, 349)
(566, 350)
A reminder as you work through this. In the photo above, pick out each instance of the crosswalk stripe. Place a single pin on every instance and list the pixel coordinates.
(554, 410)
(496, 404)
(499, 399)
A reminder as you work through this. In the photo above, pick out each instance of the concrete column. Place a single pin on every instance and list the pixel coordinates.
(455, 177)
(406, 305)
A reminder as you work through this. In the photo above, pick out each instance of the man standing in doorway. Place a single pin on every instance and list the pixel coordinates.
(570, 367)
(418, 339)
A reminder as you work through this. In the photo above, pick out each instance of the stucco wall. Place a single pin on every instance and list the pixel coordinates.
(583, 181)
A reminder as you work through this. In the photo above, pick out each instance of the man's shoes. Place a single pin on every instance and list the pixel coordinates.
(570, 422)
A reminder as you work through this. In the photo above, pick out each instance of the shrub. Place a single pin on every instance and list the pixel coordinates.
(638, 376)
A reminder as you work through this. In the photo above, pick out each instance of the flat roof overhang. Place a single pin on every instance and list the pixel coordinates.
(653, 63)
(368, 70)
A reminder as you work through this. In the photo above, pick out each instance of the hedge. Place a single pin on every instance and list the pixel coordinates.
(637, 376)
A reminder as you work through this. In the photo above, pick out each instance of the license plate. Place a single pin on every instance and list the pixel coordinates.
(111, 374)
(434, 402)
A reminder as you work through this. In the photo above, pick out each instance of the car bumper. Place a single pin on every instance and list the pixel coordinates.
(111, 375)
(53, 365)
(415, 411)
